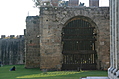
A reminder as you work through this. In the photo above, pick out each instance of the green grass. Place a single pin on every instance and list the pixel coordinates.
(22, 73)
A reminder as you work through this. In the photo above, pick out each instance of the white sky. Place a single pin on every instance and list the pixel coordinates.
(13, 14)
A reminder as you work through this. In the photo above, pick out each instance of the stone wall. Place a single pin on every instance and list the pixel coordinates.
(12, 50)
(44, 44)
(52, 21)
(32, 48)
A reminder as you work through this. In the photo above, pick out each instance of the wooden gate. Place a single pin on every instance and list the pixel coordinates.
(78, 40)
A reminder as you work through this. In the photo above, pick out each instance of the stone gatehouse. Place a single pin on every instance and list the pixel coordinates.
(68, 38)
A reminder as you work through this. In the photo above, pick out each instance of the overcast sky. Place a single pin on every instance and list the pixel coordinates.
(13, 14)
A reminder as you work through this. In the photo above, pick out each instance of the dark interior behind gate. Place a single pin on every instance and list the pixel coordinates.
(78, 41)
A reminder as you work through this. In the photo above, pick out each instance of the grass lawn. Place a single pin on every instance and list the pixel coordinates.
(22, 73)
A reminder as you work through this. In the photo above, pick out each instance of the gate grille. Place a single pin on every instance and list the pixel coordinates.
(78, 46)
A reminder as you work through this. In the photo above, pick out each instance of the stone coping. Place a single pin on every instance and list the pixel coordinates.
(95, 78)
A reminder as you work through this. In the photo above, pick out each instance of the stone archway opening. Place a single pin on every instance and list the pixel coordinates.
(78, 39)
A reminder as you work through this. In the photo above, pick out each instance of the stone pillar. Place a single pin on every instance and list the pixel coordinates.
(111, 47)
(116, 36)
(117, 24)
(113, 34)
(113, 71)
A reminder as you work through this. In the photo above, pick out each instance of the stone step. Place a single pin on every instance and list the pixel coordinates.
(95, 78)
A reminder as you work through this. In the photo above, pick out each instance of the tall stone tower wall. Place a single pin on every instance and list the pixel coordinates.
(32, 48)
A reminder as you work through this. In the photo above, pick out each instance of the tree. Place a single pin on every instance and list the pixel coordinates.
(37, 2)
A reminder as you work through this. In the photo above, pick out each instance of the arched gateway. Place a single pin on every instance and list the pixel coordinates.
(65, 38)
(78, 39)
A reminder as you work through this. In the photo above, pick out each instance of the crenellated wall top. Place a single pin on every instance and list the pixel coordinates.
(12, 36)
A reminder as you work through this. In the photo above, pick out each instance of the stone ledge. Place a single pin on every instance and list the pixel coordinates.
(95, 78)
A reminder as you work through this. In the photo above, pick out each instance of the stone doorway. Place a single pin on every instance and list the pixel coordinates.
(78, 38)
